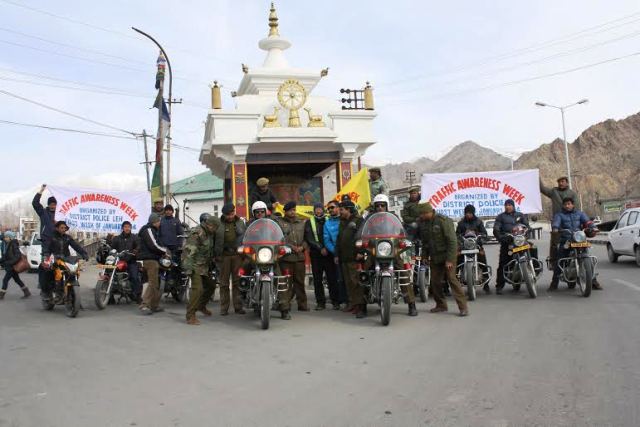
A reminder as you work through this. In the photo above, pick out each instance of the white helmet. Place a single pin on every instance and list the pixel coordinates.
(381, 198)
(259, 205)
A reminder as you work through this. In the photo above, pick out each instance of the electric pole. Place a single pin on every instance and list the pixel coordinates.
(410, 177)
(146, 158)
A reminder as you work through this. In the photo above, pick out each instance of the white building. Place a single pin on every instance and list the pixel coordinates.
(196, 195)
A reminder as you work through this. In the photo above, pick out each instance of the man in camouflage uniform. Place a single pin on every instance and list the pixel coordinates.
(234, 229)
(376, 183)
(293, 229)
(203, 245)
(439, 239)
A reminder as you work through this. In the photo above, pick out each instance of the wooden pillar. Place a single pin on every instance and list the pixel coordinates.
(344, 173)
(240, 189)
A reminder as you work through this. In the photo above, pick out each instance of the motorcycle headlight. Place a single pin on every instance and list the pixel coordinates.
(110, 260)
(580, 236)
(469, 244)
(265, 255)
(165, 262)
(384, 249)
(519, 240)
(72, 268)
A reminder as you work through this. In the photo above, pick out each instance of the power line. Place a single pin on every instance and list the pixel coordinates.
(521, 51)
(65, 112)
(103, 92)
(86, 132)
(515, 82)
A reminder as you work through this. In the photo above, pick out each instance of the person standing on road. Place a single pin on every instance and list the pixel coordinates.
(350, 258)
(330, 238)
(127, 241)
(321, 259)
(47, 220)
(438, 235)
(10, 258)
(471, 223)
(171, 230)
(293, 230)
(502, 227)
(569, 219)
(198, 261)
(556, 195)
(150, 252)
(233, 228)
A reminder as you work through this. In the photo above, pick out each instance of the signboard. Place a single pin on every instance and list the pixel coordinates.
(101, 211)
(449, 193)
(609, 207)
(632, 204)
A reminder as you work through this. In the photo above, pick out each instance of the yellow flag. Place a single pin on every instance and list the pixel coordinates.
(357, 188)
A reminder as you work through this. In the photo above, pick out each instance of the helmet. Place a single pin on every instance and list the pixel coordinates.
(258, 205)
(203, 217)
(381, 198)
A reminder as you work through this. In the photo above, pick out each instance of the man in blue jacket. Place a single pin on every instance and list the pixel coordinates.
(47, 221)
(568, 219)
(170, 229)
(330, 237)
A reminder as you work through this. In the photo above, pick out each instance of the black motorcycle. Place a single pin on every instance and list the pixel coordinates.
(174, 282)
(471, 272)
(421, 273)
(260, 283)
(113, 280)
(524, 267)
(580, 266)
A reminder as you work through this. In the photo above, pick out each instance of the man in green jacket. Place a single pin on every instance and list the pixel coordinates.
(293, 229)
(203, 245)
(409, 212)
(376, 183)
(349, 258)
(439, 239)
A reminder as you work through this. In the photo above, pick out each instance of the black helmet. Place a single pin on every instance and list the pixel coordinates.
(203, 217)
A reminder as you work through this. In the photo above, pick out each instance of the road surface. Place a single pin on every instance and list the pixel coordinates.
(558, 360)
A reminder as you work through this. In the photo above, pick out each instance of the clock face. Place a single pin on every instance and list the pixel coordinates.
(292, 95)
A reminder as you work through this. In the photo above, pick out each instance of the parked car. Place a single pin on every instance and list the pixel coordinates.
(34, 252)
(488, 224)
(624, 238)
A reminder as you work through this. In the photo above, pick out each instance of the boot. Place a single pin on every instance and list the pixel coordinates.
(361, 312)
(554, 285)
(499, 289)
(285, 315)
(464, 312)
(438, 309)
(486, 289)
(26, 291)
(205, 311)
(2, 292)
(193, 320)
(412, 309)
(321, 306)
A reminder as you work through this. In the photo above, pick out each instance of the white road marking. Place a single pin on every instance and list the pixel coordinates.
(628, 284)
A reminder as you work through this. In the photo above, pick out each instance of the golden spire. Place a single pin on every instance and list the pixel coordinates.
(273, 22)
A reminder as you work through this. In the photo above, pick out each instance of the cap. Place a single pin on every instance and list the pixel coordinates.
(470, 209)
(510, 202)
(51, 200)
(59, 223)
(154, 217)
(157, 199)
(374, 169)
(563, 178)
(10, 234)
(228, 208)
(168, 208)
(212, 220)
(345, 197)
(290, 205)
(348, 204)
(262, 181)
(425, 208)
(414, 189)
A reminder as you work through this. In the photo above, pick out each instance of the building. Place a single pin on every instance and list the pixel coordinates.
(196, 195)
(280, 130)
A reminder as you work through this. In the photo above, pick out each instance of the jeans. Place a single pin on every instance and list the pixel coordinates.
(134, 277)
(10, 274)
(320, 266)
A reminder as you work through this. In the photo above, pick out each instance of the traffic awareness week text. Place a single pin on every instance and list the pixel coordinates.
(98, 197)
(475, 182)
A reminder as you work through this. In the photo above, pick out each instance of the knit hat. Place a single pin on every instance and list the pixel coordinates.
(425, 208)
(125, 223)
(59, 223)
(51, 200)
(10, 234)
(510, 202)
(345, 197)
(290, 205)
(262, 181)
(154, 217)
(470, 209)
(168, 208)
(228, 208)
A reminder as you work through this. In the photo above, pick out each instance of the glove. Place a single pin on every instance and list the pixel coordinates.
(85, 257)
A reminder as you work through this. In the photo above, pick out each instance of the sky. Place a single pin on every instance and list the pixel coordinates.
(442, 72)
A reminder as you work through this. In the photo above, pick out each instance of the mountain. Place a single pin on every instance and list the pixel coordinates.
(605, 160)
(465, 157)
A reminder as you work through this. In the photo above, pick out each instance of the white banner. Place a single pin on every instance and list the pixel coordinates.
(449, 193)
(101, 211)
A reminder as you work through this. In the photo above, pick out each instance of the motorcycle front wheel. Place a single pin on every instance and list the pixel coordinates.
(72, 302)
(101, 294)
(585, 276)
(469, 278)
(530, 280)
(386, 289)
(265, 301)
(421, 284)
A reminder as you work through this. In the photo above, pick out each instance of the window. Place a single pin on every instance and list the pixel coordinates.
(215, 210)
(633, 218)
(622, 221)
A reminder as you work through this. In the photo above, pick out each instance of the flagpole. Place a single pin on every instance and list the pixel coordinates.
(168, 192)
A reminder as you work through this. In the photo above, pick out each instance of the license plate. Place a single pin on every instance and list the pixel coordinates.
(417, 258)
(469, 251)
(107, 267)
(521, 248)
(581, 245)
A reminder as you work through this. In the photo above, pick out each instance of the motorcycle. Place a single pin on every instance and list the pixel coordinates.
(472, 273)
(580, 266)
(524, 266)
(421, 273)
(174, 281)
(113, 279)
(383, 238)
(66, 271)
(260, 284)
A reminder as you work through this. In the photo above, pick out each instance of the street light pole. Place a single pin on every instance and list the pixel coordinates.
(168, 184)
(564, 131)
